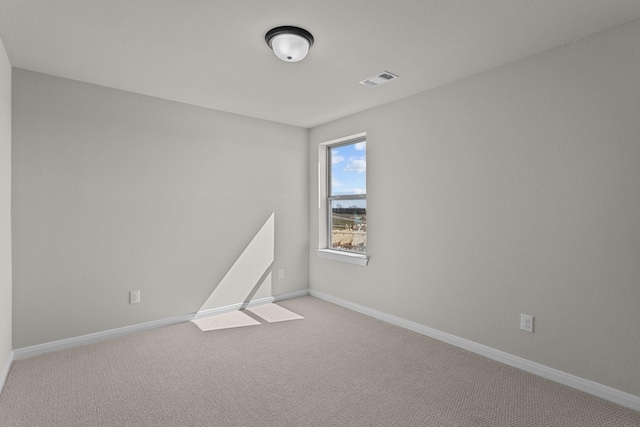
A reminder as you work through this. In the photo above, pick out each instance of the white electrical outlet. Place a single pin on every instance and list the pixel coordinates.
(281, 273)
(526, 322)
(134, 297)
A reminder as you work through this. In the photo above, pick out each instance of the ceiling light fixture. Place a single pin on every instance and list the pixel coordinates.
(291, 44)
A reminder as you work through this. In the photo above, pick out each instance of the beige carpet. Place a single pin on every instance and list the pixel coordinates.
(335, 367)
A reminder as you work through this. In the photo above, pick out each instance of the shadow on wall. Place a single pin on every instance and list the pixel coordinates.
(249, 277)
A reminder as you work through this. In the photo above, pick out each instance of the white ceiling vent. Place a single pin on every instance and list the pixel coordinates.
(379, 79)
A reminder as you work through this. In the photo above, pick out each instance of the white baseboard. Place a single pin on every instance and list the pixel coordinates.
(587, 386)
(230, 308)
(23, 353)
(253, 303)
(291, 295)
(4, 373)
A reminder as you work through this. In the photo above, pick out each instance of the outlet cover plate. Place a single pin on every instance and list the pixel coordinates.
(526, 323)
(134, 297)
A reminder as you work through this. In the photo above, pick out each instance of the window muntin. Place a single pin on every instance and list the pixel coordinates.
(347, 196)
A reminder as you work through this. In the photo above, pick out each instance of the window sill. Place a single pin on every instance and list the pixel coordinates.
(351, 258)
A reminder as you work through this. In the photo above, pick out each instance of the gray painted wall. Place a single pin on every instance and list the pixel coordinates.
(114, 191)
(513, 191)
(5, 209)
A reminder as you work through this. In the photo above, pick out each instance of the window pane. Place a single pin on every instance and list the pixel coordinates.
(348, 169)
(349, 225)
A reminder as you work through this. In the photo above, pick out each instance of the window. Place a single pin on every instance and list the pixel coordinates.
(347, 196)
(342, 200)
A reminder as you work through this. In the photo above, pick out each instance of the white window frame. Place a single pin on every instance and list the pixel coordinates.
(324, 251)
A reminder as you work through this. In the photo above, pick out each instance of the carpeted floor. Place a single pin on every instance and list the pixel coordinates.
(335, 367)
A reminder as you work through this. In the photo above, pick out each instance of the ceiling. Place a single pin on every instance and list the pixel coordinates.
(212, 53)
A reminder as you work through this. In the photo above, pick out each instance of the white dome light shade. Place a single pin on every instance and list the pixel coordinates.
(291, 44)
(289, 47)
